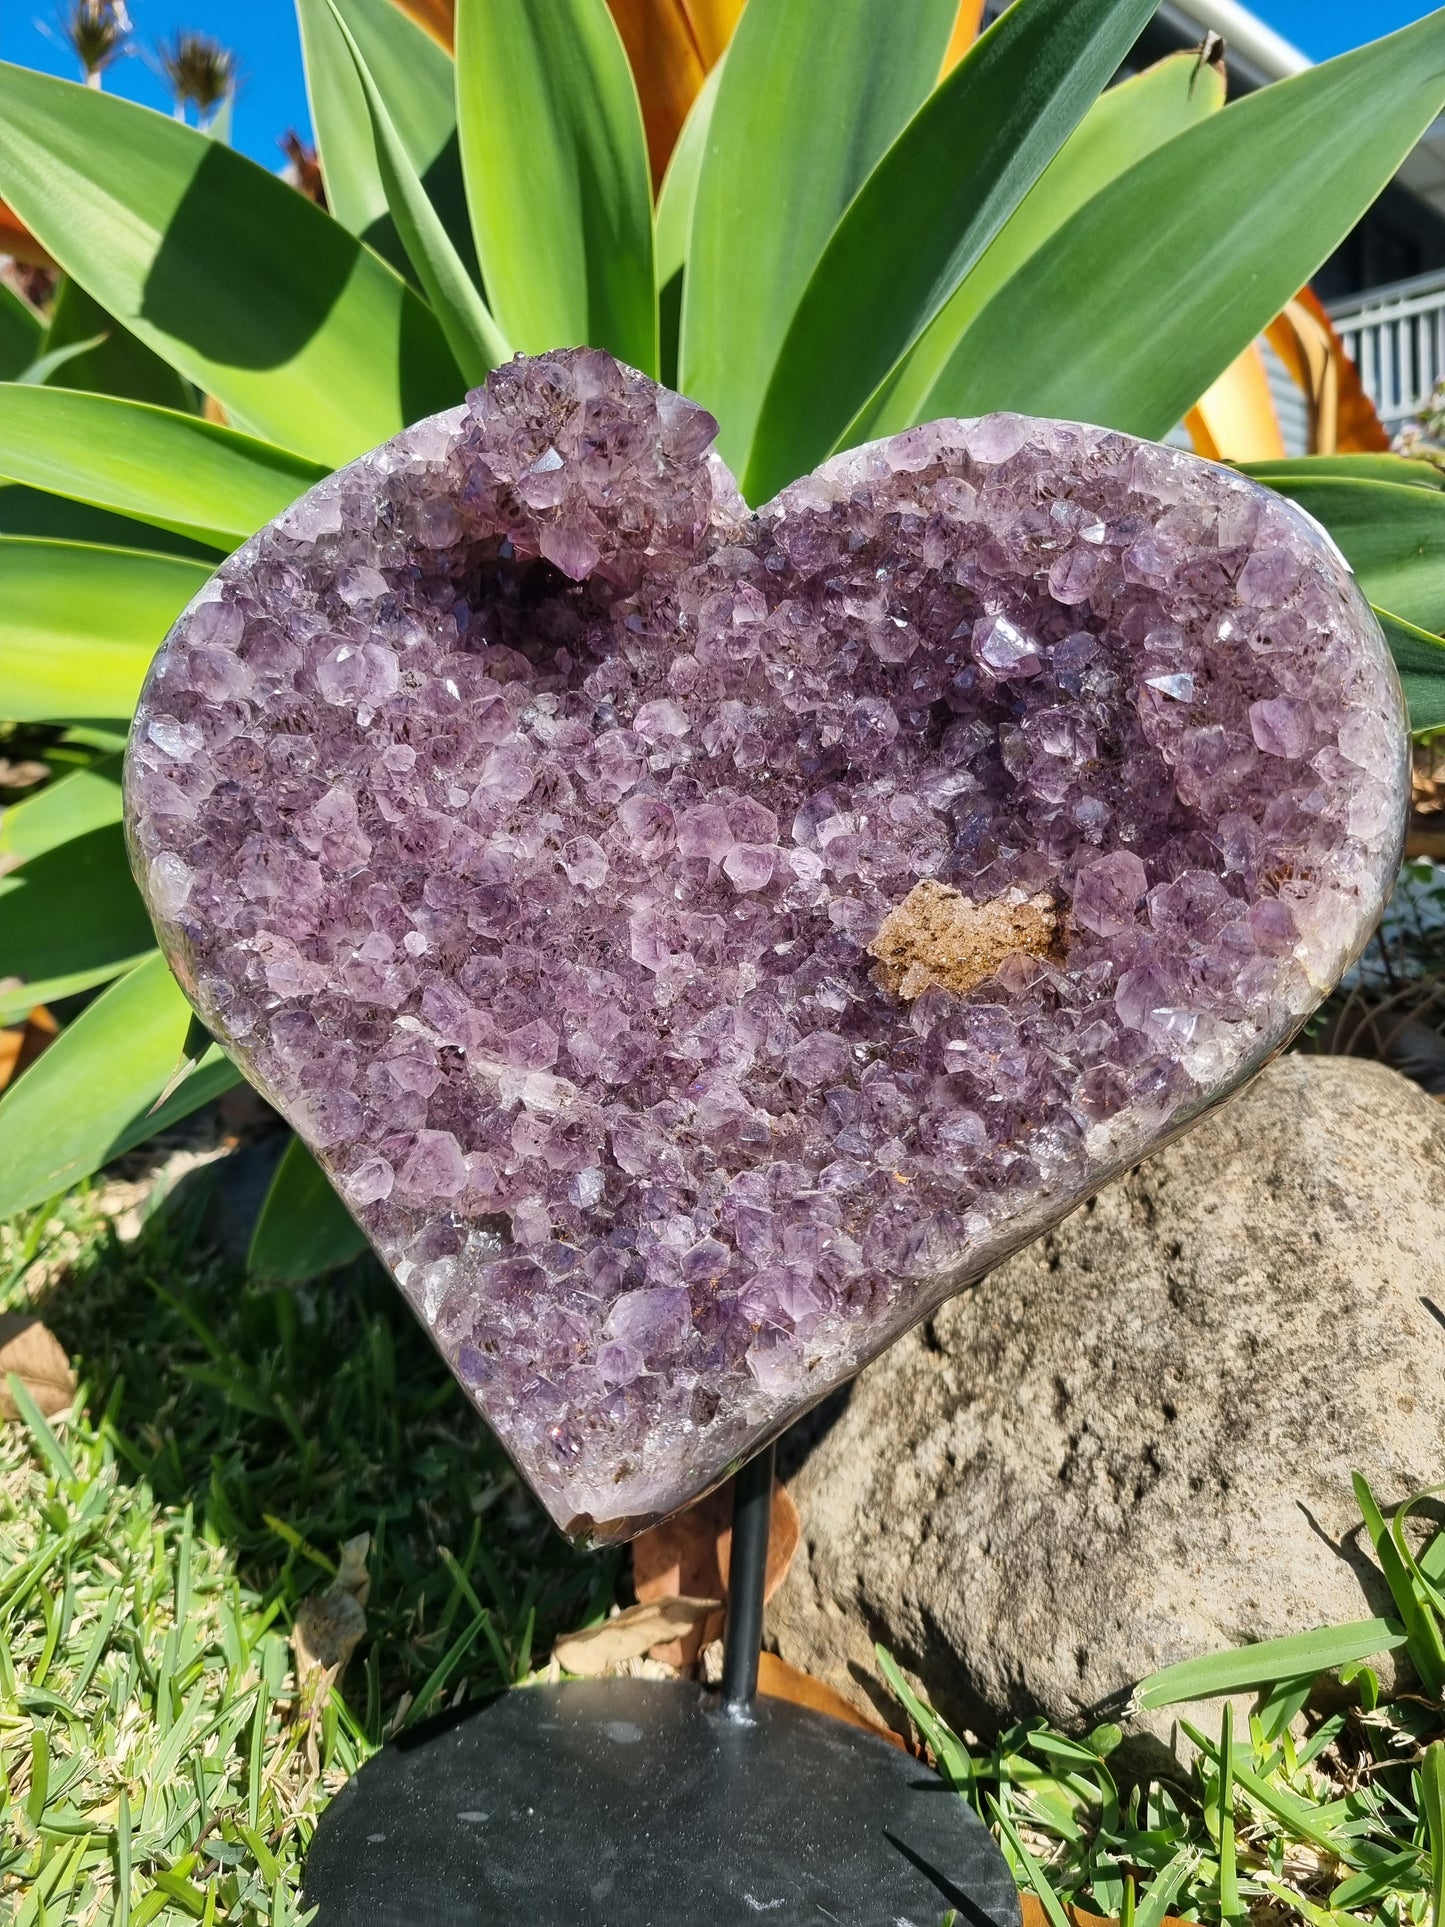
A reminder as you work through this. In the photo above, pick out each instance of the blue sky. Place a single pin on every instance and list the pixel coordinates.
(273, 96)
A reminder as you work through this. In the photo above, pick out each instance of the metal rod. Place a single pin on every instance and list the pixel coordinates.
(747, 1574)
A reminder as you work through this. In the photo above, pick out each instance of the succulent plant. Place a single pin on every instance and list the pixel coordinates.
(842, 244)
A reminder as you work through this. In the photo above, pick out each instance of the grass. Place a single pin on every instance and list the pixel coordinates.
(160, 1765)
(157, 1763)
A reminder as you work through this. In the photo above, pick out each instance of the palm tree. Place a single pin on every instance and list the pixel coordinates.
(199, 71)
(96, 31)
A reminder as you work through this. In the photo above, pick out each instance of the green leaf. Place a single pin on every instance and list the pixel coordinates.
(240, 282)
(114, 362)
(557, 176)
(46, 365)
(776, 177)
(304, 1229)
(79, 626)
(1420, 660)
(1163, 279)
(477, 344)
(86, 799)
(21, 333)
(212, 1077)
(417, 83)
(57, 518)
(1037, 1879)
(69, 919)
(1392, 537)
(39, 1429)
(1122, 126)
(1422, 1630)
(174, 470)
(926, 213)
(1388, 1874)
(951, 1755)
(1432, 1787)
(64, 1117)
(675, 202)
(1267, 1662)
(1284, 474)
(1164, 1886)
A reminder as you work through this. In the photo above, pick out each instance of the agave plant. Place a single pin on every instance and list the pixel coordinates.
(868, 219)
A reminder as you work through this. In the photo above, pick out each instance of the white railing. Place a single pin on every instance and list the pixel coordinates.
(1396, 338)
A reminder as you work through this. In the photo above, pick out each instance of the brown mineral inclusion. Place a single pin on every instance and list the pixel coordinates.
(939, 936)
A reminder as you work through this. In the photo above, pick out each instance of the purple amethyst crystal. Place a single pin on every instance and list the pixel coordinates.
(697, 943)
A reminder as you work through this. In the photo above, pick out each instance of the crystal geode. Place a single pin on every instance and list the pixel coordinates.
(695, 942)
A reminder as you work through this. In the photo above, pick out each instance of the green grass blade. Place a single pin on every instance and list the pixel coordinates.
(120, 364)
(1228, 1865)
(238, 281)
(79, 626)
(1164, 1886)
(22, 330)
(1122, 126)
(1432, 1787)
(38, 1426)
(69, 919)
(1422, 1629)
(304, 1229)
(1033, 1872)
(775, 178)
(557, 177)
(441, 1676)
(476, 342)
(176, 471)
(925, 215)
(59, 1121)
(87, 799)
(1159, 282)
(1266, 1663)
(418, 86)
(948, 1750)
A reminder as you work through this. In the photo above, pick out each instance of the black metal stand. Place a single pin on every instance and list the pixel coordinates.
(643, 1803)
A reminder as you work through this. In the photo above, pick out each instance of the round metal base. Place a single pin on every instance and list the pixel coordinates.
(638, 1803)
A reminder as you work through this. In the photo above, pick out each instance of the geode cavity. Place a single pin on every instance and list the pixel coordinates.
(696, 943)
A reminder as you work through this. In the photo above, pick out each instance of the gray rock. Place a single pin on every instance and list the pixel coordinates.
(1132, 1443)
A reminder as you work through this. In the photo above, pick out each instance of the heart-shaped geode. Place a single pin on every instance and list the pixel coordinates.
(696, 943)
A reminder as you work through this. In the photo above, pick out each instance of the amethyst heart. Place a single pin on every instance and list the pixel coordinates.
(697, 943)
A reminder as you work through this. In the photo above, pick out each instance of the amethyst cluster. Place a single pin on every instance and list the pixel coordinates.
(697, 942)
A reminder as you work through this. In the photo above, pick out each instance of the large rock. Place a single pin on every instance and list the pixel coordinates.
(1132, 1443)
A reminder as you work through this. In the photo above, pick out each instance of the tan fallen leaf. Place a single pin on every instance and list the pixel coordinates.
(35, 1355)
(598, 1649)
(687, 1557)
(329, 1627)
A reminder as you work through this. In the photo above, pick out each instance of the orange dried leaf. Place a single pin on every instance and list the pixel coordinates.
(37, 1358)
(965, 32)
(21, 1044)
(437, 16)
(780, 1681)
(19, 243)
(1236, 421)
(668, 67)
(688, 1556)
